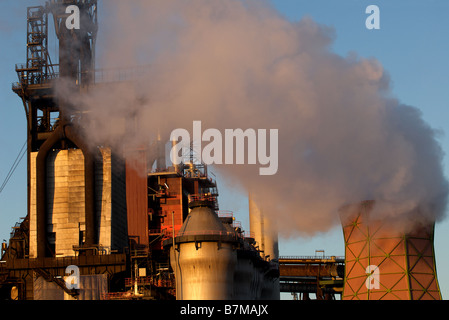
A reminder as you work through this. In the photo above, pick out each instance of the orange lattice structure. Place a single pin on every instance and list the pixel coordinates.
(385, 264)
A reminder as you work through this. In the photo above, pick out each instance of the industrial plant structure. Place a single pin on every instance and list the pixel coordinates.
(114, 216)
(136, 228)
(317, 277)
(214, 260)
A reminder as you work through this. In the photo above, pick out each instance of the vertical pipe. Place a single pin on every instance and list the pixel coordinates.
(63, 132)
(89, 180)
(41, 190)
(177, 278)
(160, 156)
(173, 150)
(174, 247)
(29, 150)
(264, 231)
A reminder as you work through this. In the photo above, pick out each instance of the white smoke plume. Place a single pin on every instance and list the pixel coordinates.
(343, 137)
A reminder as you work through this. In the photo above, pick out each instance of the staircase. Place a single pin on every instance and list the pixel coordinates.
(58, 281)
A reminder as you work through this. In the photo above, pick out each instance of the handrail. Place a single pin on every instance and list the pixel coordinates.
(315, 258)
(105, 75)
(225, 214)
(206, 232)
(149, 280)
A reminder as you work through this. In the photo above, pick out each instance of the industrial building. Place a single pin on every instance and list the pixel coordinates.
(136, 227)
(114, 216)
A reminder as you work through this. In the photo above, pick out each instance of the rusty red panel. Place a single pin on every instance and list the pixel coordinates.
(137, 195)
(173, 204)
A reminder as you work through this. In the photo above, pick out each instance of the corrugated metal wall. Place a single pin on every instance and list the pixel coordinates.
(173, 204)
(119, 228)
(137, 195)
(66, 207)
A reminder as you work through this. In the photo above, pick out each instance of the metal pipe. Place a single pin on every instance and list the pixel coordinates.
(264, 231)
(61, 133)
(174, 249)
(174, 155)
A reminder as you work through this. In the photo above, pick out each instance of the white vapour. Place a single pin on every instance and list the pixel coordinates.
(239, 64)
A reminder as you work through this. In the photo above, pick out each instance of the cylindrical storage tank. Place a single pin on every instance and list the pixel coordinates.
(204, 273)
(204, 258)
(384, 263)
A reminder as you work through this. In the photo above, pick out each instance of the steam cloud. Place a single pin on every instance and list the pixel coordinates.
(343, 137)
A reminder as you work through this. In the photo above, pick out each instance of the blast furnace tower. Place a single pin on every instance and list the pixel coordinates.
(75, 210)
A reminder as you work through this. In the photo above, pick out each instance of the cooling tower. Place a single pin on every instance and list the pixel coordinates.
(383, 263)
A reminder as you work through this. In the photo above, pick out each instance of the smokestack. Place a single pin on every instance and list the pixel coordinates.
(173, 155)
(160, 156)
(266, 237)
(264, 231)
(67, 132)
(384, 263)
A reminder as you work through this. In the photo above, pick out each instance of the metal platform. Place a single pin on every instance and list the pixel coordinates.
(305, 275)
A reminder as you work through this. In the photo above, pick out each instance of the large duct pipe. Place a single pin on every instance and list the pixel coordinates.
(173, 155)
(64, 132)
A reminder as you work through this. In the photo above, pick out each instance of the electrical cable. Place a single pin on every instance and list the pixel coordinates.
(14, 166)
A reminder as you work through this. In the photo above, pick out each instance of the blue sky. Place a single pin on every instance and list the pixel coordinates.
(412, 45)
